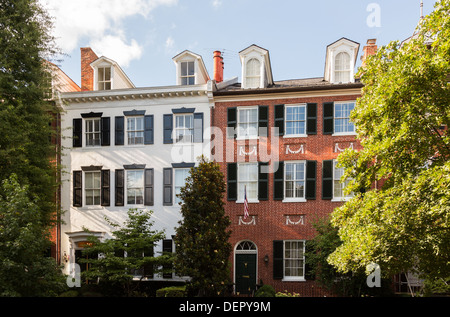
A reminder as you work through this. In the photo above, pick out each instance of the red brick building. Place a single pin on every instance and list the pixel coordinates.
(280, 140)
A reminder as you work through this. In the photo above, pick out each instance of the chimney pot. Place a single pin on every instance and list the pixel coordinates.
(218, 66)
(87, 73)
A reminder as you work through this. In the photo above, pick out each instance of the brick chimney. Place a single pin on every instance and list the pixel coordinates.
(370, 49)
(218, 67)
(87, 73)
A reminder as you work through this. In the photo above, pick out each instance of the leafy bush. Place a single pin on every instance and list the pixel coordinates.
(286, 294)
(171, 291)
(265, 291)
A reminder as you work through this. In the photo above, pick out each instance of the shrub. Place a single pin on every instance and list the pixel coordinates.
(171, 291)
(265, 291)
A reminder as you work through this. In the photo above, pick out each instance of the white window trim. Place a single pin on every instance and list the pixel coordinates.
(334, 119)
(249, 57)
(242, 137)
(188, 76)
(126, 187)
(175, 129)
(249, 200)
(103, 65)
(85, 132)
(85, 205)
(175, 202)
(294, 278)
(293, 199)
(126, 131)
(338, 199)
(285, 135)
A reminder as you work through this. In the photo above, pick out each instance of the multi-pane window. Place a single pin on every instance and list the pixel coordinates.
(104, 78)
(342, 68)
(135, 187)
(135, 130)
(338, 184)
(184, 128)
(248, 181)
(295, 180)
(247, 122)
(342, 123)
(180, 180)
(294, 259)
(92, 187)
(187, 73)
(253, 73)
(92, 132)
(295, 120)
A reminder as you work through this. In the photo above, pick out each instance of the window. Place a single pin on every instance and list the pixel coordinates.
(338, 186)
(135, 187)
(248, 180)
(135, 130)
(295, 120)
(253, 73)
(342, 68)
(180, 180)
(104, 78)
(342, 123)
(247, 122)
(93, 132)
(295, 180)
(92, 188)
(187, 73)
(184, 128)
(294, 259)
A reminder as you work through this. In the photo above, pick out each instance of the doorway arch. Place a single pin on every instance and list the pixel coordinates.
(245, 267)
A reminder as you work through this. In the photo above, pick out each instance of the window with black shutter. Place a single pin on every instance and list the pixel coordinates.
(231, 122)
(148, 129)
(167, 249)
(77, 130)
(279, 119)
(311, 118)
(105, 190)
(167, 187)
(263, 181)
(119, 134)
(168, 128)
(198, 127)
(278, 182)
(77, 188)
(278, 251)
(148, 187)
(328, 120)
(311, 179)
(232, 181)
(105, 131)
(119, 187)
(327, 179)
(263, 120)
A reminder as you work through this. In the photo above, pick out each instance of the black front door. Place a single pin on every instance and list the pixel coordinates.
(245, 273)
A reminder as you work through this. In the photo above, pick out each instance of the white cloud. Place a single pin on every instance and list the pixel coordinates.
(170, 45)
(100, 22)
(216, 3)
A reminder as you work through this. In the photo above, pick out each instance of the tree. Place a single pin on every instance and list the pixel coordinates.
(24, 268)
(114, 262)
(402, 119)
(202, 247)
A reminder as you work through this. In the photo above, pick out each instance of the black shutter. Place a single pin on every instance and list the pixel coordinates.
(278, 252)
(167, 187)
(77, 188)
(119, 135)
(119, 184)
(232, 181)
(309, 270)
(198, 127)
(263, 120)
(105, 194)
(311, 119)
(263, 182)
(278, 182)
(167, 249)
(311, 171)
(279, 119)
(148, 187)
(327, 179)
(106, 128)
(148, 129)
(328, 120)
(77, 138)
(168, 128)
(148, 267)
(231, 122)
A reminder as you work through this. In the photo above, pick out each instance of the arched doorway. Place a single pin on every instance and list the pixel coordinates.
(245, 267)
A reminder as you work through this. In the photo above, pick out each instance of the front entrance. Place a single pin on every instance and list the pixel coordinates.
(245, 267)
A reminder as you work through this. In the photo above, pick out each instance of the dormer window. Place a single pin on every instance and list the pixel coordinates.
(342, 68)
(188, 73)
(253, 73)
(104, 78)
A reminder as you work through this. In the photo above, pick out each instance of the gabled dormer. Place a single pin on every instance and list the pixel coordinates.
(340, 61)
(109, 75)
(190, 69)
(256, 68)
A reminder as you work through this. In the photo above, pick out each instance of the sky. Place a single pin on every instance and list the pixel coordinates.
(143, 36)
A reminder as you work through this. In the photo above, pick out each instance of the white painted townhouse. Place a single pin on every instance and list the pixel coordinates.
(129, 147)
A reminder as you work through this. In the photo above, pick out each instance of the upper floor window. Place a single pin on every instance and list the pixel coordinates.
(248, 181)
(135, 130)
(93, 132)
(135, 187)
(247, 125)
(295, 180)
(342, 68)
(253, 73)
(339, 184)
(188, 73)
(180, 181)
(295, 120)
(104, 78)
(342, 123)
(184, 128)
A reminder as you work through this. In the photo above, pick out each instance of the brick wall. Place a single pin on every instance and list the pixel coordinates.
(271, 215)
(87, 73)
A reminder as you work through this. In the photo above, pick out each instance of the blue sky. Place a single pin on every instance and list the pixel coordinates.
(144, 35)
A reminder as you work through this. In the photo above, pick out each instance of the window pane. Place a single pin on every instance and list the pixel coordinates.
(191, 71)
(101, 74)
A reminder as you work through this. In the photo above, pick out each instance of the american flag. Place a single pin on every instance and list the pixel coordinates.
(245, 203)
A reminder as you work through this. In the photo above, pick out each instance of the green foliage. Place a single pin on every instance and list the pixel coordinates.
(286, 294)
(172, 291)
(136, 239)
(201, 239)
(403, 224)
(265, 291)
(24, 268)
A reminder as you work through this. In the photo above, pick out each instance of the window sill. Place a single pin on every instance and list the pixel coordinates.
(295, 136)
(293, 279)
(294, 200)
(90, 207)
(242, 138)
(250, 201)
(344, 134)
(341, 199)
